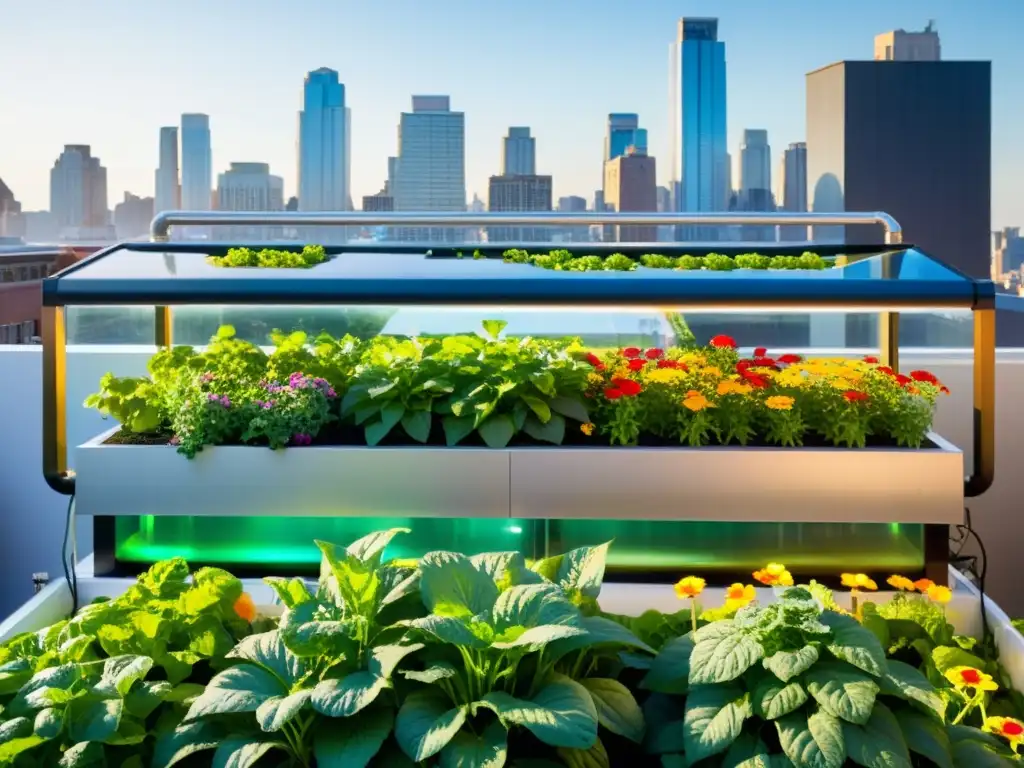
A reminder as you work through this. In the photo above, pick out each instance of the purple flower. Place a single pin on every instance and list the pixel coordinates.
(222, 400)
(331, 392)
(301, 439)
(268, 404)
(225, 401)
(213, 398)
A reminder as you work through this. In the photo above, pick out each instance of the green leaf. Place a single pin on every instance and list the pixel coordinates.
(570, 408)
(447, 629)
(842, 690)
(582, 569)
(595, 757)
(120, 673)
(370, 548)
(497, 431)
(79, 755)
(345, 697)
(786, 665)
(241, 688)
(188, 738)
(562, 714)
(879, 743)
(381, 389)
(435, 671)
(384, 658)
(91, 720)
(747, 751)
(772, 699)
(355, 744)
(417, 425)
(670, 670)
(812, 742)
(242, 752)
(617, 710)
(908, 683)
(451, 586)
(663, 715)
(722, 656)
(600, 631)
(48, 723)
(291, 592)
(854, 644)
(552, 431)
(468, 750)
(457, 429)
(493, 328)
(268, 651)
(274, 713)
(426, 723)
(539, 408)
(714, 719)
(947, 657)
(531, 605)
(978, 754)
(390, 415)
(307, 633)
(534, 638)
(927, 737)
(879, 626)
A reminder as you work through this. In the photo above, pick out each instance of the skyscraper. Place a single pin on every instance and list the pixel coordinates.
(78, 191)
(196, 163)
(517, 194)
(697, 114)
(324, 144)
(623, 131)
(132, 217)
(12, 224)
(900, 45)
(630, 187)
(791, 186)
(755, 160)
(518, 153)
(250, 187)
(168, 185)
(431, 168)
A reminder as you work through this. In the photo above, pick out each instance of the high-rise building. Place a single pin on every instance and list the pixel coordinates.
(250, 187)
(132, 217)
(168, 184)
(78, 193)
(623, 132)
(574, 204)
(518, 153)
(519, 194)
(196, 163)
(791, 188)
(12, 223)
(389, 185)
(381, 202)
(1007, 254)
(630, 186)
(324, 145)
(900, 45)
(431, 169)
(697, 115)
(755, 160)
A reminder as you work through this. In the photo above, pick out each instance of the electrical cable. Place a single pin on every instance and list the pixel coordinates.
(973, 565)
(70, 576)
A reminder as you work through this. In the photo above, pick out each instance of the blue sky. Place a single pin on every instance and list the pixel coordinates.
(109, 73)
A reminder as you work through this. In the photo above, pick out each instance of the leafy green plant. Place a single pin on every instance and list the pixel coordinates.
(564, 260)
(309, 256)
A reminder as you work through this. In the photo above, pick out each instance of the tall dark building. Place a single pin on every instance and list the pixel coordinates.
(519, 194)
(630, 187)
(912, 139)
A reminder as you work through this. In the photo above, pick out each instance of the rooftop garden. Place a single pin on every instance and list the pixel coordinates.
(271, 258)
(564, 260)
(495, 391)
(491, 660)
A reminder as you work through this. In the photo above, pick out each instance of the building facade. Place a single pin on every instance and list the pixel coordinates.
(196, 163)
(324, 143)
(78, 194)
(518, 153)
(630, 185)
(699, 155)
(12, 223)
(623, 132)
(249, 187)
(900, 45)
(168, 183)
(1008, 256)
(132, 217)
(791, 188)
(519, 194)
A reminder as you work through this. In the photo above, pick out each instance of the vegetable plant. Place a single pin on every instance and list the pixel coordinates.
(564, 260)
(309, 256)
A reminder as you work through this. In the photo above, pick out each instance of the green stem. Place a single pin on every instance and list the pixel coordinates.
(967, 707)
(693, 615)
(537, 673)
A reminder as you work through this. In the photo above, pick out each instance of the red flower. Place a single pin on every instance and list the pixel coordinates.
(944, 390)
(612, 393)
(924, 376)
(627, 387)
(760, 352)
(853, 396)
(1011, 728)
(903, 380)
(721, 341)
(757, 382)
(886, 370)
(742, 365)
(764, 362)
(631, 352)
(654, 353)
(594, 360)
(870, 359)
(636, 365)
(970, 676)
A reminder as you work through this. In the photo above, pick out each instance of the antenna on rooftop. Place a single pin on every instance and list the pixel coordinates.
(931, 26)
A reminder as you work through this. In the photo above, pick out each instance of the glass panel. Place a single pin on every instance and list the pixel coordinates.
(656, 549)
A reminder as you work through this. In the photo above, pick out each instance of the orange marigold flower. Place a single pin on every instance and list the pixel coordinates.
(729, 387)
(774, 575)
(900, 582)
(695, 401)
(858, 581)
(923, 584)
(738, 595)
(937, 594)
(245, 608)
(779, 403)
(1010, 728)
(689, 587)
(587, 429)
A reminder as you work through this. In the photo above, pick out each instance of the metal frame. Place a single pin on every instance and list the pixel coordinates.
(62, 480)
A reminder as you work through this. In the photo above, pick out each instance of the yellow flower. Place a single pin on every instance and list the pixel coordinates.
(664, 375)
(900, 582)
(729, 387)
(587, 429)
(695, 401)
(739, 595)
(689, 587)
(780, 403)
(842, 384)
(939, 594)
(711, 370)
(774, 575)
(595, 379)
(858, 581)
(969, 677)
(1010, 728)
(923, 584)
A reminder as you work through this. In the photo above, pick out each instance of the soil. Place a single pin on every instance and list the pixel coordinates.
(347, 435)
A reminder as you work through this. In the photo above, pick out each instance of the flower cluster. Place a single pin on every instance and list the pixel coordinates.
(934, 592)
(712, 395)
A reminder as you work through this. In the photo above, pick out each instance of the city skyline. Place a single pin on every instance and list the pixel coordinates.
(765, 92)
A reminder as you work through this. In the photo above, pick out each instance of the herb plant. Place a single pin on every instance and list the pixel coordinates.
(309, 256)
(617, 262)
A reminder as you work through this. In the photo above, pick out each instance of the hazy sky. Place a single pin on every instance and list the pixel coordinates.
(109, 73)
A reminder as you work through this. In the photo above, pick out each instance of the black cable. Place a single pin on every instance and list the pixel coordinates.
(978, 568)
(68, 561)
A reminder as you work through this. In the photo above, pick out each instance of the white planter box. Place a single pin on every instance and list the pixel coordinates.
(734, 484)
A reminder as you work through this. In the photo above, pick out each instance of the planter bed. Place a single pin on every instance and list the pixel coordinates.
(891, 485)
